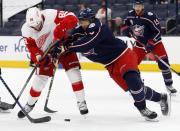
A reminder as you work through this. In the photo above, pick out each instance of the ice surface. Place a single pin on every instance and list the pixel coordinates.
(110, 108)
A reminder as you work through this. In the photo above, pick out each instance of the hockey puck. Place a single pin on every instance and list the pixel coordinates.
(68, 120)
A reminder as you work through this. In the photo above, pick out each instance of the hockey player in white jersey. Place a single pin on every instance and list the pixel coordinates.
(40, 29)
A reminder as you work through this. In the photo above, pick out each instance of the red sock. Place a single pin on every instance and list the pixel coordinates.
(77, 86)
(34, 93)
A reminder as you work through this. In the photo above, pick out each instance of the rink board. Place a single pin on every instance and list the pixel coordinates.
(14, 54)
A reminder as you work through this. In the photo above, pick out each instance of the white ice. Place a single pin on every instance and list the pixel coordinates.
(110, 108)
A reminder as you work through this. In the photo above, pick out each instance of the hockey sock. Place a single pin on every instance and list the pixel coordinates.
(74, 76)
(78, 89)
(151, 94)
(166, 73)
(33, 97)
(37, 86)
(136, 89)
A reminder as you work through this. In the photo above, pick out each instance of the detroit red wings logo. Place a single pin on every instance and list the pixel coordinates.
(41, 40)
(138, 30)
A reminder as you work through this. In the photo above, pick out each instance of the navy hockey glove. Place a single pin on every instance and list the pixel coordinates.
(59, 49)
(0, 71)
(149, 46)
(126, 31)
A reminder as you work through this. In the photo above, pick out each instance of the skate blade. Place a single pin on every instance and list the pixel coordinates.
(85, 116)
(152, 120)
(169, 105)
(5, 111)
(173, 94)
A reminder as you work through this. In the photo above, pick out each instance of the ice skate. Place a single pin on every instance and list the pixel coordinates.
(82, 107)
(171, 90)
(165, 104)
(148, 114)
(28, 108)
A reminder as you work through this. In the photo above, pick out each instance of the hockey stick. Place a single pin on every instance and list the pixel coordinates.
(6, 106)
(50, 86)
(37, 120)
(168, 66)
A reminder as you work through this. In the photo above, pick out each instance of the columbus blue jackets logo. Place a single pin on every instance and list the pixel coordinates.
(138, 30)
(90, 52)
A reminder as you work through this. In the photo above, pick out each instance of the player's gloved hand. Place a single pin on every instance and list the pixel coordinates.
(0, 71)
(47, 60)
(126, 31)
(149, 46)
(56, 51)
(60, 31)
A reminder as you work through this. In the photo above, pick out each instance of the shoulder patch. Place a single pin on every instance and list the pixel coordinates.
(130, 11)
(150, 13)
(92, 25)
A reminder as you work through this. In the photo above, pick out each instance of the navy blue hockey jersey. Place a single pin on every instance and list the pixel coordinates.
(145, 27)
(98, 43)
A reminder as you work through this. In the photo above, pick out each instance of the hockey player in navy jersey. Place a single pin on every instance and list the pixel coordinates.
(98, 44)
(146, 28)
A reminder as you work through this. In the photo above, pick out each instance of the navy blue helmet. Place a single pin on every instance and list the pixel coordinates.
(86, 14)
(138, 2)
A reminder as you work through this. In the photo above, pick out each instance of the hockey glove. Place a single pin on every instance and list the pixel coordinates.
(47, 60)
(126, 31)
(149, 46)
(60, 31)
(59, 49)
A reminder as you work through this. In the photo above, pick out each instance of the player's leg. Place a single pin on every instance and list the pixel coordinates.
(140, 53)
(166, 72)
(39, 82)
(71, 65)
(124, 73)
(161, 98)
(137, 91)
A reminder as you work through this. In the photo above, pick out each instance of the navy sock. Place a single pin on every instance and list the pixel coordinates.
(151, 94)
(166, 73)
(136, 89)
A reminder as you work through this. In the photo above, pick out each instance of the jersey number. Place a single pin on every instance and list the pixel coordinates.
(156, 22)
(62, 14)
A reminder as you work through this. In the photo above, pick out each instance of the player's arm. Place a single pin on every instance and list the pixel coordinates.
(87, 42)
(77, 33)
(32, 47)
(155, 27)
(64, 20)
(125, 28)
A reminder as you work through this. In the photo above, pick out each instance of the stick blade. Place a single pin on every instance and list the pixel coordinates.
(46, 109)
(41, 120)
(178, 73)
(6, 106)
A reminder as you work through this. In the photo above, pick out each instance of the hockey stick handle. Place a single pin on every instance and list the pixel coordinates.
(49, 91)
(156, 56)
(27, 81)
(38, 120)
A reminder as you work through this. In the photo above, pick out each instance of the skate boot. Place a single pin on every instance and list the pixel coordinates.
(28, 108)
(148, 115)
(171, 90)
(165, 104)
(82, 107)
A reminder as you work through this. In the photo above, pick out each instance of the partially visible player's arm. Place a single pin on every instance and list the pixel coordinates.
(32, 47)
(87, 42)
(125, 28)
(155, 27)
(64, 20)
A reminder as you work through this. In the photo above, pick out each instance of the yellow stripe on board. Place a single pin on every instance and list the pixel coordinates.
(92, 66)
(14, 64)
(142, 67)
(87, 66)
